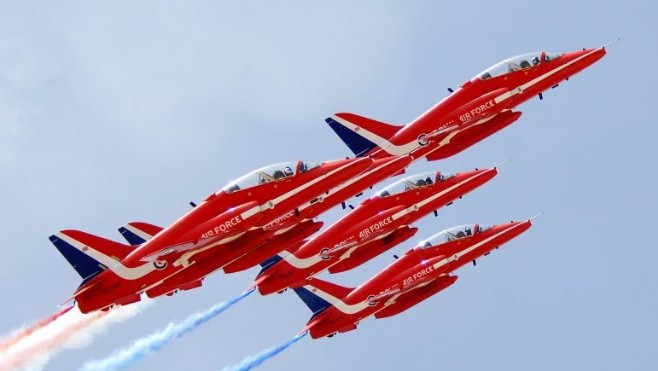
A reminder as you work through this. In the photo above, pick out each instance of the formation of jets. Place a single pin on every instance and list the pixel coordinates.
(269, 217)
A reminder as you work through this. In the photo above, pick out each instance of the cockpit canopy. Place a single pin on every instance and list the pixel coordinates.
(413, 182)
(520, 62)
(270, 173)
(452, 234)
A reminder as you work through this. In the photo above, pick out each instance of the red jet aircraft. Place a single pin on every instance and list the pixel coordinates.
(260, 244)
(482, 106)
(376, 225)
(420, 273)
(114, 273)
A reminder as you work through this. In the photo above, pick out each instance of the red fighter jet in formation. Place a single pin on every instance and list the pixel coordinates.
(114, 273)
(260, 244)
(376, 225)
(420, 273)
(480, 107)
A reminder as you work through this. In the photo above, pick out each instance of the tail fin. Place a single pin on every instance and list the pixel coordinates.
(267, 264)
(88, 254)
(361, 134)
(319, 295)
(136, 233)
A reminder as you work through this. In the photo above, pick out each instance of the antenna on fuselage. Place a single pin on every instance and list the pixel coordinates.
(611, 42)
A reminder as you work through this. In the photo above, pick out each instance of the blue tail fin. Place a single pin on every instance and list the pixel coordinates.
(361, 134)
(86, 266)
(319, 295)
(315, 303)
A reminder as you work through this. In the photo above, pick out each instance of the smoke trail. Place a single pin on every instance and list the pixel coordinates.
(126, 357)
(22, 333)
(256, 360)
(73, 330)
(36, 347)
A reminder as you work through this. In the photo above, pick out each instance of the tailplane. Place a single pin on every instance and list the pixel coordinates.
(361, 134)
(88, 254)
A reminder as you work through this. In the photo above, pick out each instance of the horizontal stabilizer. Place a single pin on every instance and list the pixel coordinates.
(136, 233)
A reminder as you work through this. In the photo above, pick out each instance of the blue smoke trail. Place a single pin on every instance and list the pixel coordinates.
(126, 357)
(256, 360)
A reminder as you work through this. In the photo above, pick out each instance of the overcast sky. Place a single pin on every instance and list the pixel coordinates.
(120, 111)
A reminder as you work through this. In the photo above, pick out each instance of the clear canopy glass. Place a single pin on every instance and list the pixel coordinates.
(517, 63)
(413, 182)
(270, 173)
(408, 183)
(452, 234)
(449, 235)
(306, 166)
(552, 56)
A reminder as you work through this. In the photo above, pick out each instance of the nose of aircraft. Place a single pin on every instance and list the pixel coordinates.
(480, 176)
(577, 61)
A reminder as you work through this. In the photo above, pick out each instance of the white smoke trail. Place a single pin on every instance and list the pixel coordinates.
(25, 331)
(126, 357)
(256, 360)
(71, 331)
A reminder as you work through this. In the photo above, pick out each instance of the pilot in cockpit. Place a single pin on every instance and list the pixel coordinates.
(288, 171)
(535, 60)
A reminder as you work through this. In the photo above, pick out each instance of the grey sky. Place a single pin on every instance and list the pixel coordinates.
(120, 111)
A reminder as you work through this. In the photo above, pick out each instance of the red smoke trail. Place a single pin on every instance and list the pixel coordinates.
(27, 331)
(46, 343)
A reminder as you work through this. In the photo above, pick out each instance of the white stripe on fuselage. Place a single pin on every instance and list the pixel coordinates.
(304, 263)
(396, 150)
